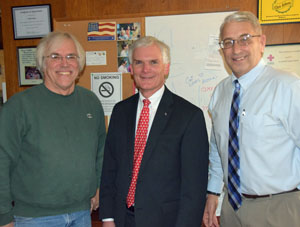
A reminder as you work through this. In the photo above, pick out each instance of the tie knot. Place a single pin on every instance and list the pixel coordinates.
(237, 84)
(146, 102)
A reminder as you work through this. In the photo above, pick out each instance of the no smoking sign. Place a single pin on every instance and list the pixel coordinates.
(108, 88)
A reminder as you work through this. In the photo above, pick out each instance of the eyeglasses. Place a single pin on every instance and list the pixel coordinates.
(243, 40)
(57, 58)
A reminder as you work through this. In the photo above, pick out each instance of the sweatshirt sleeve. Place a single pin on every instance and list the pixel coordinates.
(11, 126)
(101, 142)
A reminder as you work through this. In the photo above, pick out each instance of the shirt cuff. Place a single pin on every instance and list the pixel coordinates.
(214, 185)
(107, 219)
(213, 193)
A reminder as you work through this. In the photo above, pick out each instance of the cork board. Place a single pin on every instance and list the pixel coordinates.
(80, 30)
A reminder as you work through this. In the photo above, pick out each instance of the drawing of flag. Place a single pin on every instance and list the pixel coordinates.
(101, 31)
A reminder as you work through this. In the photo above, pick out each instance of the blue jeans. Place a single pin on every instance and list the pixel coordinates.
(76, 219)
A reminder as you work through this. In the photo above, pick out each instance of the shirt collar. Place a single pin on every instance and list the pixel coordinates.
(247, 79)
(155, 98)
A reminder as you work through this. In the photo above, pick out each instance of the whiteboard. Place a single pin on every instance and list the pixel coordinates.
(196, 63)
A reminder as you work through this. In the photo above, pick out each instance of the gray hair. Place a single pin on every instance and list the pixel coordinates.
(49, 40)
(148, 41)
(242, 16)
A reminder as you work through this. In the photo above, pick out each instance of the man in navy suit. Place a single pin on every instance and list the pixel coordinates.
(172, 179)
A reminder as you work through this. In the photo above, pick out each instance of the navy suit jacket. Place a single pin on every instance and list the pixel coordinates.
(172, 181)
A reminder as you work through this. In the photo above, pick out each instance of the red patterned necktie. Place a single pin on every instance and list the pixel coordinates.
(139, 146)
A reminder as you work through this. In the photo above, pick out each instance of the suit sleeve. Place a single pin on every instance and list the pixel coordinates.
(194, 172)
(107, 188)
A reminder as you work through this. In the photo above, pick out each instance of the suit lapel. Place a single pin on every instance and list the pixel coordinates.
(131, 128)
(160, 120)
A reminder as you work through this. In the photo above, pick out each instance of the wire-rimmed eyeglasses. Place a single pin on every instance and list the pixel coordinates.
(243, 40)
(57, 58)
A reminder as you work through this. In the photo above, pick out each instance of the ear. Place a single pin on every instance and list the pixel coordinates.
(263, 41)
(130, 69)
(167, 69)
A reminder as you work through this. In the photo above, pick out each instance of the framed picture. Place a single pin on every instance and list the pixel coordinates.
(278, 11)
(31, 22)
(283, 56)
(28, 73)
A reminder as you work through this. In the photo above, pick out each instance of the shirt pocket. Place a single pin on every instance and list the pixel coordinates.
(258, 129)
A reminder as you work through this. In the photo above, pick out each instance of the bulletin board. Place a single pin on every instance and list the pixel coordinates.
(110, 46)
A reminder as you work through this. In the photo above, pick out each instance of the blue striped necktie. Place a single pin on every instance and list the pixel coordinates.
(234, 184)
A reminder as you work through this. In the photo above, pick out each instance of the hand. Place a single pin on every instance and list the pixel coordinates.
(8, 225)
(95, 201)
(209, 216)
(108, 224)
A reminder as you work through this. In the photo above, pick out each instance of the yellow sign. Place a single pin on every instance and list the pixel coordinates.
(278, 11)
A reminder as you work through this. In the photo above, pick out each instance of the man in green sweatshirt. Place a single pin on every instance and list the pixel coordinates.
(51, 144)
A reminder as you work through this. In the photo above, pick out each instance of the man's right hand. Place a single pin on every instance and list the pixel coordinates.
(8, 225)
(108, 224)
(209, 216)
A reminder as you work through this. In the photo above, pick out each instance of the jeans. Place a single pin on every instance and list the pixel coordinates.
(76, 219)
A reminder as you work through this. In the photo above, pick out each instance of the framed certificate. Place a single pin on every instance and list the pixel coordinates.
(283, 56)
(31, 21)
(278, 11)
(28, 73)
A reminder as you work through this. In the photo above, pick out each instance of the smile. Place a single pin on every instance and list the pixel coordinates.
(64, 73)
(146, 77)
(238, 59)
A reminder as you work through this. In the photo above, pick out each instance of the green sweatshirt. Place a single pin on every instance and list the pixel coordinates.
(51, 151)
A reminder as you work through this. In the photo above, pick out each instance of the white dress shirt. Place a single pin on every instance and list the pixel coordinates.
(154, 102)
(269, 131)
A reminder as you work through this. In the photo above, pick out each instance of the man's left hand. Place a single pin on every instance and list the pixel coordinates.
(95, 201)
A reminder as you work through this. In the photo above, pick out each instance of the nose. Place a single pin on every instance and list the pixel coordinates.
(146, 67)
(64, 61)
(236, 48)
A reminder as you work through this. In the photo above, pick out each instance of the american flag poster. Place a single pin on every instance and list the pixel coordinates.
(101, 31)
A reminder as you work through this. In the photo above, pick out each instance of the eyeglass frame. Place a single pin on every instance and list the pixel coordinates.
(233, 41)
(59, 57)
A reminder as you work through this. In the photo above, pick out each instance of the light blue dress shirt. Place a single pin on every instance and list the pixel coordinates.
(269, 131)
